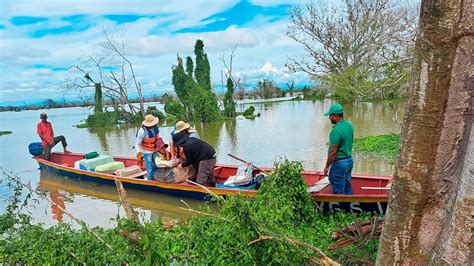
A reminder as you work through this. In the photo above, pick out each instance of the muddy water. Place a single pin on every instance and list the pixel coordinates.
(296, 130)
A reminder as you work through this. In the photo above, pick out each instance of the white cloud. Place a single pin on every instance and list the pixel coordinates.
(213, 41)
(262, 46)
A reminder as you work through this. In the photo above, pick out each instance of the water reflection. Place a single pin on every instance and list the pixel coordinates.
(63, 190)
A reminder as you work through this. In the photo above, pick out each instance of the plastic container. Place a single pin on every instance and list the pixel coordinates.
(109, 167)
(35, 148)
(91, 164)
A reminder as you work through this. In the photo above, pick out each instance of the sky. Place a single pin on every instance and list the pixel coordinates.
(40, 40)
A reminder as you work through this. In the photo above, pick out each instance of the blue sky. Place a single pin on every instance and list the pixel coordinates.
(40, 40)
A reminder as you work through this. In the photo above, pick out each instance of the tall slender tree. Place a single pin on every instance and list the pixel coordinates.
(430, 214)
(229, 103)
(189, 66)
(202, 73)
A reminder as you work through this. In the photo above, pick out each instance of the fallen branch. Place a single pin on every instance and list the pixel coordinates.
(356, 232)
(206, 189)
(189, 209)
(127, 206)
(325, 260)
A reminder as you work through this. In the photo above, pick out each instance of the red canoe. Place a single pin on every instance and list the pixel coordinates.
(370, 192)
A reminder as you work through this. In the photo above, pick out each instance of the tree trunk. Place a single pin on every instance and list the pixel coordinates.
(98, 98)
(431, 207)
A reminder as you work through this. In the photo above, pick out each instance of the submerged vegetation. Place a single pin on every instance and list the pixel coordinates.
(5, 132)
(385, 146)
(279, 226)
(102, 119)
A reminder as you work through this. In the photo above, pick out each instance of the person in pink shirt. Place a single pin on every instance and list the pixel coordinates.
(48, 140)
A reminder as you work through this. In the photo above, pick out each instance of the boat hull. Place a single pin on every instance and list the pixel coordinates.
(362, 201)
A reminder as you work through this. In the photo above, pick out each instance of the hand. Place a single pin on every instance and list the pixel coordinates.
(326, 171)
(179, 166)
(140, 156)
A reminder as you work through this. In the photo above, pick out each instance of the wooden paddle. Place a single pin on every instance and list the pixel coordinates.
(242, 160)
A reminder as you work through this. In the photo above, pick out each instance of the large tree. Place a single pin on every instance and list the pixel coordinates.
(202, 73)
(357, 48)
(430, 214)
(199, 102)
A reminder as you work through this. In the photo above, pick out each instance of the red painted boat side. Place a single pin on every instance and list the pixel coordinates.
(65, 162)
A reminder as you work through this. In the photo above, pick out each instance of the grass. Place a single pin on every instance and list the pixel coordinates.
(385, 146)
(5, 132)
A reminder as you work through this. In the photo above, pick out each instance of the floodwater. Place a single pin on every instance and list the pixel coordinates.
(296, 130)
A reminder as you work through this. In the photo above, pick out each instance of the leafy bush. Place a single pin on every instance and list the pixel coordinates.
(5, 132)
(249, 111)
(101, 119)
(176, 109)
(242, 230)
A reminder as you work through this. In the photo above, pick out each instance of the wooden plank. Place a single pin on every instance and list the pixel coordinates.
(320, 185)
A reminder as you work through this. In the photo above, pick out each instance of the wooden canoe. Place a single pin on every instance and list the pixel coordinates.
(370, 193)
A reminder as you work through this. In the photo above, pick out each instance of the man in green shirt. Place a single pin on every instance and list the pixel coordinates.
(339, 159)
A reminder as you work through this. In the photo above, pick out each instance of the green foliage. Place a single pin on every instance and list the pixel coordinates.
(281, 210)
(176, 109)
(383, 145)
(249, 111)
(189, 66)
(102, 119)
(202, 73)
(155, 112)
(267, 89)
(199, 102)
(315, 93)
(5, 132)
(229, 103)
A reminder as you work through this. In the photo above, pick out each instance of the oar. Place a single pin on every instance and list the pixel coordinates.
(244, 161)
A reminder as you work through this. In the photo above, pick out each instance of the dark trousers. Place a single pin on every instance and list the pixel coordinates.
(340, 176)
(47, 148)
(206, 172)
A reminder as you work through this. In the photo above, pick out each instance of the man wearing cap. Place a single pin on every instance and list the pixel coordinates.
(164, 163)
(146, 143)
(339, 159)
(48, 140)
(200, 155)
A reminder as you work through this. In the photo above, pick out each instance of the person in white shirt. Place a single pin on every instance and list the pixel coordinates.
(146, 143)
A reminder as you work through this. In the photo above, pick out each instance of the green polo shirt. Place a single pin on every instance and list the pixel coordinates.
(342, 134)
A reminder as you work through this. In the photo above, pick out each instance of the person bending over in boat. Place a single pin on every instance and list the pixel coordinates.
(48, 140)
(200, 155)
(181, 126)
(164, 163)
(339, 159)
(146, 143)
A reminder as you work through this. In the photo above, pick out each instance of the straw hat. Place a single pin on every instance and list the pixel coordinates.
(181, 126)
(150, 121)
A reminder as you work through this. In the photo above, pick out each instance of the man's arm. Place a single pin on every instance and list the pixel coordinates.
(187, 153)
(331, 157)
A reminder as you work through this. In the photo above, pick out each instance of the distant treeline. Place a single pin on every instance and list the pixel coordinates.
(50, 104)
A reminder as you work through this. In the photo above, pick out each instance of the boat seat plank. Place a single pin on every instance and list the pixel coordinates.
(320, 185)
